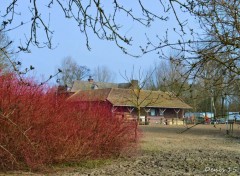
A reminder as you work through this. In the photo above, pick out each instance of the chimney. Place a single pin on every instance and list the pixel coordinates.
(90, 79)
(134, 84)
(62, 89)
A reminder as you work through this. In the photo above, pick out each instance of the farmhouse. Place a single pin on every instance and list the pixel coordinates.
(127, 101)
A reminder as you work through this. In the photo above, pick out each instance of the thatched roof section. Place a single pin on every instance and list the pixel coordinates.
(130, 97)
(90, 95)
(86, 85)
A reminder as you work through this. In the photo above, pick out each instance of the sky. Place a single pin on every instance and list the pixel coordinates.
(68, 41)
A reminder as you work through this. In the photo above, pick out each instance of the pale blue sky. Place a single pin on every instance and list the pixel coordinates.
(70, 42)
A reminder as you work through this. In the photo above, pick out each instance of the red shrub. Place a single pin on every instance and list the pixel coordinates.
(39, 128)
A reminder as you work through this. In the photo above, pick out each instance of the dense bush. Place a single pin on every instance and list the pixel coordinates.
(38, 128)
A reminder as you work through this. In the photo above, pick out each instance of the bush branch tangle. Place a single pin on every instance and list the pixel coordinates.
(39, 128)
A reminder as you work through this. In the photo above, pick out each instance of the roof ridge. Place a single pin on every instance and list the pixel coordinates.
(73, 94)
(83, 81)
(140, 89)
(109, 92)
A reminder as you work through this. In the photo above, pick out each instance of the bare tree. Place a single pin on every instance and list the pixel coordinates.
(103, 74)
(218, 18)
(6, 56)
(218, 86)
(71, 71)
(167, 76)
(137, 96)
(95, 16)
(220, 48)
(8, 62)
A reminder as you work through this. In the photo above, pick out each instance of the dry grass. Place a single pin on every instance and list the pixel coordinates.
(206, 137)
(195, 151)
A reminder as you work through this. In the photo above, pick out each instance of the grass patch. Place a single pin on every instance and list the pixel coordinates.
(90, 164)
(87, 164)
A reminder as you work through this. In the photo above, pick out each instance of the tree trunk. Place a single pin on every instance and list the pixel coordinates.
(138, 115)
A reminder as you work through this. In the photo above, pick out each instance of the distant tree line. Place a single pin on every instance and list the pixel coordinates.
(213, 88)
(72, 71)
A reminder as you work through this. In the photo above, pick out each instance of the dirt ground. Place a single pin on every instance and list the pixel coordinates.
(164, 150)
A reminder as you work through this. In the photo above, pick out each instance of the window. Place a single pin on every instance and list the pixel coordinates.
(153, 112)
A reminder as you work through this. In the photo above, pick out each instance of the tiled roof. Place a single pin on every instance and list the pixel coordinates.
(130, 97)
